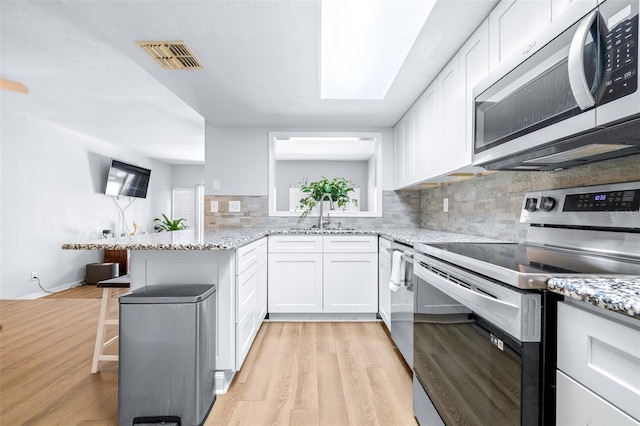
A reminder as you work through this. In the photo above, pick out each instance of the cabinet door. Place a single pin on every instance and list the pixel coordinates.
(426, 149)
(407, 169)
(246, 293)
(398, 160)
(295, 283)
(514, 26)
(351, 282)
(449, 127)
(384, 292)
(262, 288)
(474, 66)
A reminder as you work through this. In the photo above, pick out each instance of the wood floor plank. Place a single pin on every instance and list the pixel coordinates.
(325, 341)
(306, 384)
(355, 385)
(332, 406)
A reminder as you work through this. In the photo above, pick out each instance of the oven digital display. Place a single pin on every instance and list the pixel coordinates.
(613, 201)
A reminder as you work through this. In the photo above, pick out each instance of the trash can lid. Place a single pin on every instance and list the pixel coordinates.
(169, 293)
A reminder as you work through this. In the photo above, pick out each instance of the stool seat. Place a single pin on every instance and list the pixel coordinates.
(103, 321)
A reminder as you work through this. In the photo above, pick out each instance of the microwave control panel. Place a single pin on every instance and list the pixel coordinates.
(620, 41)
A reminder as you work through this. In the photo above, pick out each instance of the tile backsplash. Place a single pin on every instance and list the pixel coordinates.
(485, 206)
(490, 205)
(400, 210)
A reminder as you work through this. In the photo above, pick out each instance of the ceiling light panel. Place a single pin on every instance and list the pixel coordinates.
(363, 44)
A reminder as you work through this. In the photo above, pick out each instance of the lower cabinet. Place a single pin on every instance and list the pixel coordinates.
(348, 282)
(384, 275)
(250, 286)
(598, 376)
(295, 282)
(323, 274)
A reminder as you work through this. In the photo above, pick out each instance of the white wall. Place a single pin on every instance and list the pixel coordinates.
(239, 158)
(188, 176)
(52, 184)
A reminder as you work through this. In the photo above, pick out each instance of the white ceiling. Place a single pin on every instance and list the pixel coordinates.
(84, 71)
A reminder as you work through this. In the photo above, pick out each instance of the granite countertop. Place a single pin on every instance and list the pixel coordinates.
(229, 239)
(617, 294)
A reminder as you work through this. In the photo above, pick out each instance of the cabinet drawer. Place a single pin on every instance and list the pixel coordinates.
(246, 292)
(295, 244)
(247, 255)
(601, 354)
(577, 405)
(350, 244)
(245, 333)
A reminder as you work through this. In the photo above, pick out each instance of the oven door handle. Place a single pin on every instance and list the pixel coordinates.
(477, 301)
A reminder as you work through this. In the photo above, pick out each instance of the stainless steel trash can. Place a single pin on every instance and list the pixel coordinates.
(167, 354)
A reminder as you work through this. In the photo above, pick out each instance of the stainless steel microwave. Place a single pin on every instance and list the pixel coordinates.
(573, 101)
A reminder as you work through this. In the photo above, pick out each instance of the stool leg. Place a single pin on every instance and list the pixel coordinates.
(104, 312)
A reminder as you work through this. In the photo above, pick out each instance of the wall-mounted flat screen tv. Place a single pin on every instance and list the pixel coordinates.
(127, 180)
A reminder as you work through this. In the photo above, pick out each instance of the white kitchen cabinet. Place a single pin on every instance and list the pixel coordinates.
(514, 28)
(398, 154)
(384, 274)
(600, 351)
(577, 405)
(248, 304)
(473, 61)
(341, 276)
(295, 283)
(450, 132)
(403, 151)
(262, 281)
(350, 274)
(424, 112)
(246, 312)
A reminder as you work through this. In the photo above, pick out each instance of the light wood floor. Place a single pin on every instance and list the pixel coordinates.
(295, 373)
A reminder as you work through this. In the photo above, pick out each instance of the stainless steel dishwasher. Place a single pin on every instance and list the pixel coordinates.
(167, 354)
(402, 304)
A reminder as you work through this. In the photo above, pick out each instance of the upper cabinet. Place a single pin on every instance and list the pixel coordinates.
(514, 26)
(435, 136)
(473, 59)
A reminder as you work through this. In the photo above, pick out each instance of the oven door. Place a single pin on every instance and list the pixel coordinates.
(468, 369)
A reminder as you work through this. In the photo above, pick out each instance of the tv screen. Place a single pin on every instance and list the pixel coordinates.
(127, 180)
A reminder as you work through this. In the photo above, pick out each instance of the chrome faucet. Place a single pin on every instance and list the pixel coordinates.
(321, 221)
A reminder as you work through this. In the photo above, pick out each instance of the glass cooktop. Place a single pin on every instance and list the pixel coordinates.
(523, 259)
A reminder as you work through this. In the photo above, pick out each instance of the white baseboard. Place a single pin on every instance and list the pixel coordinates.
(57, 289)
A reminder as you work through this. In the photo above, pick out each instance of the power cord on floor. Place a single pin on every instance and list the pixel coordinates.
(42, 288)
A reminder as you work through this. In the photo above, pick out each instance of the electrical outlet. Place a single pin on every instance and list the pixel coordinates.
(214, 207)
(234, 206)
(34, 275)
(445, 205)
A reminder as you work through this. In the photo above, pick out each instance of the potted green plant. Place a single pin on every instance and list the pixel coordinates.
(167, 224)
(338, 188)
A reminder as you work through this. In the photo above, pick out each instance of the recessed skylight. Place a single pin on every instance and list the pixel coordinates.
(363, 44)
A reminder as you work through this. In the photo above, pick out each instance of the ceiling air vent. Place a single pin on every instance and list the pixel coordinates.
(172, 55)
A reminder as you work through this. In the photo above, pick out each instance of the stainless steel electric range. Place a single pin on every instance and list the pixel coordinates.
(484, 323)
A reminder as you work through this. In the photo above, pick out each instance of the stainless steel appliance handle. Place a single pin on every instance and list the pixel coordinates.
(577, 76)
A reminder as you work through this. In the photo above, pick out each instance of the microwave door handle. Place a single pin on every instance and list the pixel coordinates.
(577, 77)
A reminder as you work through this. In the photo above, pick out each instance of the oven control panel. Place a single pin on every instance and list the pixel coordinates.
(609, 201)
(614, 205)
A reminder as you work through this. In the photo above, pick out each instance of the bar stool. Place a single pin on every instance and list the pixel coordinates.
(107, 292)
